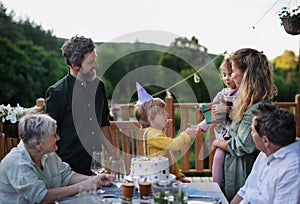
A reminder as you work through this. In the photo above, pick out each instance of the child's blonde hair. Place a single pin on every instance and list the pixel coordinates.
(226, 64)
(148, 109)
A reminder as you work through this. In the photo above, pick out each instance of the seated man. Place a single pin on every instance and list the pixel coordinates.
(275, 174)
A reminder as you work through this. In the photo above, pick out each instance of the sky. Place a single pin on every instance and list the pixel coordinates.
(219, 25)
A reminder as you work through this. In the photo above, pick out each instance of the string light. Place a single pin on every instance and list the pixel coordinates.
(189, 76)
(196, 78)
(168, 93)
(260, 19)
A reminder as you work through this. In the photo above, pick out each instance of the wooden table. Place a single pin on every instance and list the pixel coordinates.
(210, 188)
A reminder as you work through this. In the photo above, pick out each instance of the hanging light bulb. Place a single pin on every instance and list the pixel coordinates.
(196, 78)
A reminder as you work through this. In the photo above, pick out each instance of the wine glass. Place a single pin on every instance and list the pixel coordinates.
(96, 165)
(117, 172)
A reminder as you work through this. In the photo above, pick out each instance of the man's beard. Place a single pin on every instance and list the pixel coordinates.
(86, 77)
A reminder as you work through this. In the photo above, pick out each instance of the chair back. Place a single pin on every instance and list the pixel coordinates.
(6, 144)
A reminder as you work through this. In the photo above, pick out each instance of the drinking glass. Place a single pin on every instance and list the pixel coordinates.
(166, 191)
(145, 191)
(136, 179)
(117, 172)
(96, 165)
(184, 187)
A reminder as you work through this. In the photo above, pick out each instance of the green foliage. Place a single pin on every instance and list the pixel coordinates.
(29, 60)
(287, 61)
(286, 76)
(200, 88)
(107, 84)
(184, 53)
(26, 30)
(187, 57)
(26, 71)
(8, 28)
(8, 66)
(288, 12)
(287, 84)
(116, 60)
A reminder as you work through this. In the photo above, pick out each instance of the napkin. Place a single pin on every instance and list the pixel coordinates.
(195, 193)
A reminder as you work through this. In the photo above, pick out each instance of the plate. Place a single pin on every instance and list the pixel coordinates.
(109, 198)
(129, 178)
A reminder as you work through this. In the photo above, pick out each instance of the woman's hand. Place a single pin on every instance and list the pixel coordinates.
(105, 179)
(97, 181)
(219, 144)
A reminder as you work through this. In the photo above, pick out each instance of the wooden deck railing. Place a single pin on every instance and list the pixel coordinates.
(199, 157)
(7, 144)
(128, 137)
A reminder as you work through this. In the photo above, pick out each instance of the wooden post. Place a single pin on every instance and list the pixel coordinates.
(170, 110)
(125, 112)
(39, 105)
(185, 153)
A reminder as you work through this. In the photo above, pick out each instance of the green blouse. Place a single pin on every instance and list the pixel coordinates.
(241, 153)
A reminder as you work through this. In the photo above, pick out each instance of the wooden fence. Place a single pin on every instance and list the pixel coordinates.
(198, 157)
(128, 137)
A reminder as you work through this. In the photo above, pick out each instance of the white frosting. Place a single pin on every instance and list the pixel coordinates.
(154, 168)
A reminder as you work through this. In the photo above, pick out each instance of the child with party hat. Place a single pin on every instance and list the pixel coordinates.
(150, 113)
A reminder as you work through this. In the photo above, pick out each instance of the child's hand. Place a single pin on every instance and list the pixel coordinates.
(184, 180)
(193, 131)
(220, 108)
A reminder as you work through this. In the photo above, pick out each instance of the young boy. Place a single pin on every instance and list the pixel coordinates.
(151, 114)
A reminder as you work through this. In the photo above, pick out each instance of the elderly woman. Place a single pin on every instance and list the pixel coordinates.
(33, 173)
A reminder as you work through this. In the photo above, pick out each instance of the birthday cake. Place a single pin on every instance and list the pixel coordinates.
(153, 168)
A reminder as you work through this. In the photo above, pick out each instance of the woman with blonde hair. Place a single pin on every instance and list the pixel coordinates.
(252, 74)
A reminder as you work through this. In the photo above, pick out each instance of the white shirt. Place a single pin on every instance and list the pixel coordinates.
(274, 179)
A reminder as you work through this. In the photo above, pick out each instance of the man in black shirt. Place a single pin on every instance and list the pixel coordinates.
(79, 104)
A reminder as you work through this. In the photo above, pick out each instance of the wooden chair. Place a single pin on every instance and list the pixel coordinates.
(127, 138)
(10, 141)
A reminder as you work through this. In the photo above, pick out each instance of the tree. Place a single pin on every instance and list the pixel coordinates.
(187, 56)
(287, 61)
(26, 71)
(184, 53)
(29, 60)
(8, 28)
(118, 60)
(285, 76)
